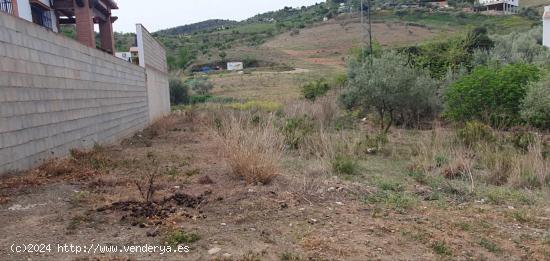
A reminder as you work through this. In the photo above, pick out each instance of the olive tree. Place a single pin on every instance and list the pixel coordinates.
(397, 92)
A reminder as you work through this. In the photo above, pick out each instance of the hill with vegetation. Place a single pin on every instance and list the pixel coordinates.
(208, 25)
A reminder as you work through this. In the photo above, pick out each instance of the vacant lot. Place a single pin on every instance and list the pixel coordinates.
(308, 211)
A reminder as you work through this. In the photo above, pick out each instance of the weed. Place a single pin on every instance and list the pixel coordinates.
(296, 130)
(289, 256)
(345, 165)
(490, 246)
(521, 216)
(465, 226)
(193, 172)
(395, 200)
(172, 172)
(181, 237)
(147, 177)
(441, 248)
(475, 132)
(253, 151)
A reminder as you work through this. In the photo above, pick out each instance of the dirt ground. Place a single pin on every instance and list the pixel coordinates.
(329, 43)
(300, 216)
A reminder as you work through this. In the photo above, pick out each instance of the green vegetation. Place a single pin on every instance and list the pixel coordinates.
(395, 91)
(315, 89)
(491, 95)
(181, 237)
(179, 92)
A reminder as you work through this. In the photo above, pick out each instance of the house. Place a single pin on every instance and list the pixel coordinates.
(503, 6)
(441, 4)
(131, 56)
(235, 66)
(51, 14)
(546, 27)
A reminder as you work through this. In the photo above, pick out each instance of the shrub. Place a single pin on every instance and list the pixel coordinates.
(345, 165)
(315, 89)
(536, 105)
(491, 95)
(179, 92)
(181, 237)
(522, 138)
(475, 132)
(200, 85)
(296, 130)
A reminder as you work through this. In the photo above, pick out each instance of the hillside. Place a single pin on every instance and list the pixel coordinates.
(207, 25)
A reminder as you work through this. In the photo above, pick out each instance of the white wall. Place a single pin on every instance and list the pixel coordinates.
(152, 56)
(546, 27)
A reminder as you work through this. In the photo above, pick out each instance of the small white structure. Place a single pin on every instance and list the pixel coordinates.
(127, 56)
(546, 26)
(235, 66)
(505, 6)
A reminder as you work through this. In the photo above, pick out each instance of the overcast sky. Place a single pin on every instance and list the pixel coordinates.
(162, 14)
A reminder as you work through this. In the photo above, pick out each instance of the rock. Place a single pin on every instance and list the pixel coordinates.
(226, 255)
(339, 203)
(312, 221)
(331, 189)
(511, 207)
(223, 224)
(214, 250)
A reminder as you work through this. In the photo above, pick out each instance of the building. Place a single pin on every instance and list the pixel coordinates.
(546, 27)
(51, 14)
(132, 56)
(504, 6)
(235, 66)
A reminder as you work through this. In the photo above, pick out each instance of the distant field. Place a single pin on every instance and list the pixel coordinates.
(330, 43)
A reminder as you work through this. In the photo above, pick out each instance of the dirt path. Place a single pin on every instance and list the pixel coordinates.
(236, 221)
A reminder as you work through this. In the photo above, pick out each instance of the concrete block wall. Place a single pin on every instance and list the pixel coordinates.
(57, 94)
(152, 56)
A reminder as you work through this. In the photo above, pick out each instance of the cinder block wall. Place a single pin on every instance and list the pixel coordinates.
(57, 94)
(153, 58)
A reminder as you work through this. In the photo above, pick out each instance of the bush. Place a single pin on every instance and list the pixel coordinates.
(200, 85)
(475, 132)
(296, 130)
(345, 165)
(179, 92)
(491, 95)
(181, 237)
(315, 89)
(536, 105)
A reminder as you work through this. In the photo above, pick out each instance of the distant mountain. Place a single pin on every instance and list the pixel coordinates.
(197, 27)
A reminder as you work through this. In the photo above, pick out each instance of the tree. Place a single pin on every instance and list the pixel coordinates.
(536, 105)
(185, 58)
(200, 85)
(222, 55)
(179, 92)
(396, 91)
(491, 95)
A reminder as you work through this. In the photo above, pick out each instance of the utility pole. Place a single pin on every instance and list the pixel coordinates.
(362, 34)
(369, 30)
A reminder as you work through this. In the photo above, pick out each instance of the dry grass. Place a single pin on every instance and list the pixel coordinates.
(162, 126)
(496, 163)
(253, 150)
